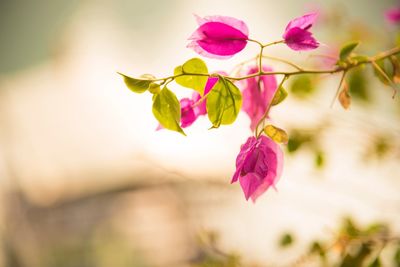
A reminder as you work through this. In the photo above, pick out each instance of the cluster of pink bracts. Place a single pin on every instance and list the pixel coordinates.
(259, 163)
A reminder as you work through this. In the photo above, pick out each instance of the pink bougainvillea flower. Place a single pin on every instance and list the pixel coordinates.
(191, 109)
(219, 37)
(258, 93)
(188, 114)
(393, 15)
(258, 166)
(297, 36)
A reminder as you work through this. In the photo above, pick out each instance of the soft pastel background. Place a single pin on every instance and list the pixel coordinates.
(87, 181)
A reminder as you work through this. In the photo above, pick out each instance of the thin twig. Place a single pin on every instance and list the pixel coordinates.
(338, 89)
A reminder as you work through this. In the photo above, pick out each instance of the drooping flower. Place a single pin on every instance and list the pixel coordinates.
(297, 36)
(257, 94)
(258, 166)
(393, 15)
(219, 36)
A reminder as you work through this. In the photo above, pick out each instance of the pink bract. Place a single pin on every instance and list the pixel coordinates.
(257, 94)
(188, 115)
(191, 109)
(393, 15)
(219, 37)
(258, 166)
(297, 35)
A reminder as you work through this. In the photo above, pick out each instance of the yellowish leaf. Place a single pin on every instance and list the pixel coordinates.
(276, 134)
(344, 97)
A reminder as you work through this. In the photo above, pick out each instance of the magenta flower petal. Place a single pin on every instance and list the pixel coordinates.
(258, 166)
(304, 22)
(257, 94)
(188, 115)
(210, 84)
(249, 184)
(393, 15)
(234, 23)
(297, 35)
(199, 108)
(219, 37)
(274, 157)
(299, 39)
(245, 151)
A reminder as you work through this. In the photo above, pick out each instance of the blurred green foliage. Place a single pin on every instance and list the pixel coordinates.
(358, 84)
(302, 86)
(286, 240)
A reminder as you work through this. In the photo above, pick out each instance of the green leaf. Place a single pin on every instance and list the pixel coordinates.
(276, 134)
(347, 49)
(319, 159)
(147, 76)
(194, 65)
(358, 258)
(396, 257)
(167, 110)
(136, 85)
(154, 88)
(279, 96)
(396, 68)
(376, 228)
(302, 86)
(375, 263)
(359, 59)
(387, 68)
(349, 228)
(286, 240)
(223, 103)
(358, 85)
(317, 248)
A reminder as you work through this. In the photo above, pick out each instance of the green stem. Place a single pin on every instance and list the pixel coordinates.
(260, 57)
(257, 134)
(274, 43)
(371, 60)
(284, 61)
(383, 73)
(255, 41)
(338, 89)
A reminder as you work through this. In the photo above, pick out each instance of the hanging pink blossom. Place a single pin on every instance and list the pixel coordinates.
(219, 37)
(258, 166)
(257, 94)
(297, 36)
(393, 15)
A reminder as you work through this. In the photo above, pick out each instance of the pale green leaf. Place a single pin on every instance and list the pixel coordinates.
(167, 110)
(136, 85)
(277, 134)
(286, 240)
(279, 96)
(223, 103)
(196, 82)
(347, 50)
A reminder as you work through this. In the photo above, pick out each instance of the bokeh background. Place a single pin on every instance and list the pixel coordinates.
(85, 180)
